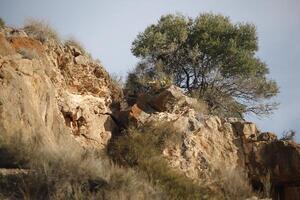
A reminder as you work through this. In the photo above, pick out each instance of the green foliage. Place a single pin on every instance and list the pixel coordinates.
(40, 30)
(2, 23)
(141, 148)
(209, 56)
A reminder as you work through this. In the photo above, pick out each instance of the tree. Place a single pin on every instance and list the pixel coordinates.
(210, 58)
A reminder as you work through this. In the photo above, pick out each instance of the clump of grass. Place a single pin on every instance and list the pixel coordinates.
(40, 30)
(233, 182)
(141, 148)
(28, 53)
(76, 44)
(63, 170)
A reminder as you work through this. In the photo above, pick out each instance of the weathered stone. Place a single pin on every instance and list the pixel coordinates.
(55, 94)
(210, 143)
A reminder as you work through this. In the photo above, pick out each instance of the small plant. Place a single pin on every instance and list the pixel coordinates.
(40, 30)
(28, 53)
(76, 44)
(2, 23)
(233, 182)
(288, 135)
(117, 80)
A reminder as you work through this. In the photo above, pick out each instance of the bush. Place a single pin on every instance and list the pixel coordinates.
(76, 44)
(233, 182)
(142, 81)
(28, 53)
(288, 135)
(40, 30)
(64, 170)
(2, 23)
(141, 148)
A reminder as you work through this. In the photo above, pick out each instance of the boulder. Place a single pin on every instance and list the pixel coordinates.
(170, 99)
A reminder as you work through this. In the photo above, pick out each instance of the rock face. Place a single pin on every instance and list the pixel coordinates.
(210, 143)
(58, 90)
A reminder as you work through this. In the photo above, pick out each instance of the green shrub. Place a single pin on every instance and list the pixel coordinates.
(141, 148)
(40, 31)
(2, 23)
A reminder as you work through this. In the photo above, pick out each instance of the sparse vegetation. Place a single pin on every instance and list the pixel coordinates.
(117, 80)
(5, 47)
(288, 135)
(2, 23)
(63, 170)
(75, 43)
(233, 182)
(28, 53)
(40, 30)
(141, 149)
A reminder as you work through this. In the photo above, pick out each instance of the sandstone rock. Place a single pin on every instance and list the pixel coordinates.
(170, 99)
(210, 144)
(55, 94)
(267, 136)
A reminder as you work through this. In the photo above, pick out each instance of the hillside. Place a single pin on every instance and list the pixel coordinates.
(67, 132)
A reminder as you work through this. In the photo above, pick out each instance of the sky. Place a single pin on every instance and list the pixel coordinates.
(106, 28)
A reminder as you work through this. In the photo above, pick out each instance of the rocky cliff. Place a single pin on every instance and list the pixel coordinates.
(53, 88)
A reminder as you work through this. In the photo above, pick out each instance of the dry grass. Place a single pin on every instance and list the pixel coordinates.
(141, 148)
(75, 43)
(233, 183)
(63, 170)
(40, 30)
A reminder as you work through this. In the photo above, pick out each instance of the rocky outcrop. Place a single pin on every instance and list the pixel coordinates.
(210, 143)
(58, 90)
(49, 89)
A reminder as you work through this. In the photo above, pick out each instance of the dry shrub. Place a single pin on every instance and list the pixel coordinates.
(63, 170)
(233, 182)
(141, 148)
(288, 135)
(40, 30)
(75, 43)
(199, 106)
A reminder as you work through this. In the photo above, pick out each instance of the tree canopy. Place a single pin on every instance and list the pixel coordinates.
(209, 57)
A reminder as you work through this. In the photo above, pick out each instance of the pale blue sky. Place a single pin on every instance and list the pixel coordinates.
(107, 28)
